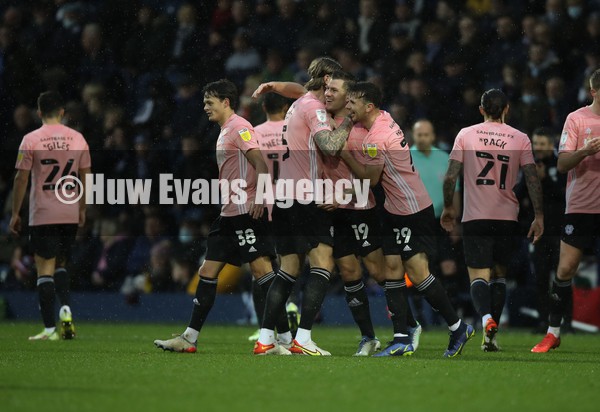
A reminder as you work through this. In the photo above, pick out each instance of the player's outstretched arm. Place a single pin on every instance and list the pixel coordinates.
(256, 159)
(286, 89)
(331, 142)
(567, 161)
(449, 214)
(535, 194)
(19, 189)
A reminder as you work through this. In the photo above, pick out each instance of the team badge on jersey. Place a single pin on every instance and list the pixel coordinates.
(370, 149)
(245, 134)
(321, 115)
(563, 138)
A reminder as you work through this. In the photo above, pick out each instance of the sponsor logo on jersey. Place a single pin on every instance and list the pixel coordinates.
(370, 149)
(563, 137)
(245, 134)
(321, 115)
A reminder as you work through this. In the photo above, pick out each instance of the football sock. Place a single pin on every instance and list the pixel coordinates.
(395, 295)
(358, 302)
(258, 299)
(410, 318)
(285, 337)
(480, 294)
(61, 282)
(401, 338)
(559, 296)
(203, 302)
(265, 284)
(435, 294)
(498, 295)
(315, 290)
(191, 335)
(454, 327)
(46, 294)
(266, 336)
(554, 330)
(568, 308)
(280, 289)
(303, 336)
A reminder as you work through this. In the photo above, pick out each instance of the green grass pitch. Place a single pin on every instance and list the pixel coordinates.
(115, 367)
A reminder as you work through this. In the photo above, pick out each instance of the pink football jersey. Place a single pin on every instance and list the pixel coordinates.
(335, 168)
(303, 160)
(385, 145)
(269, 136)
(492, 154)
(236, 138)
(583, 181)
(51, 152)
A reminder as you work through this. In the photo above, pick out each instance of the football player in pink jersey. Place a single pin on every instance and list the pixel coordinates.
(304, 229)
(240, 233)
(53, 155)
(355, 228)
(269, 135)
(356, 231)
(578, 155)
(491, 154)
(409, 220)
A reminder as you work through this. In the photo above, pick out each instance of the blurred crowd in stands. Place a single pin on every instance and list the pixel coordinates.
(132, 73)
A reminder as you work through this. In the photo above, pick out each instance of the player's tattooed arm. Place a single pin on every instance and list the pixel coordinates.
(454, 168)
(534, 188)
(450, 212)
(331, 142)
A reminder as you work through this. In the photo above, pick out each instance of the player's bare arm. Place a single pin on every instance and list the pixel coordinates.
(82, 203)
(286, 89)
(19, 189)
(567, 161)
(365, 172)
(449, 214)
(454, 168)
(256, 159)
(332, 141)
(535, 194)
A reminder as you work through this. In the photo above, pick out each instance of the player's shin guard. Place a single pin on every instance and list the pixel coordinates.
(265, 284)
(278, 293)
(46, 294)
(436, 296)
(395, 295)
(559, 297)
(203, 302)
(480, 294)
(61, 281)
(358, 302)
(314, 294)
(498, 296)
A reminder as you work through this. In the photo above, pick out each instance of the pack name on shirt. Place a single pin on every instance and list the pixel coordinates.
(493, 142)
